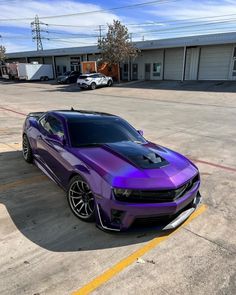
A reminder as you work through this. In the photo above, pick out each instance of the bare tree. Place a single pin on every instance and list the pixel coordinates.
(116, 47)
(2, 53)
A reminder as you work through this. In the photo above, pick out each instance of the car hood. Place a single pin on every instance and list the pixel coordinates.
(140, 166)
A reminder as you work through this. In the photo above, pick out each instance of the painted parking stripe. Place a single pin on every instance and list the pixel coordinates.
(215, 165)
(10, 110)
(124, 263)
(6, 186)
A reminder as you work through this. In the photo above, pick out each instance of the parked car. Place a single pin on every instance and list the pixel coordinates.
(92, 81)
(68, 77)
(111, 173)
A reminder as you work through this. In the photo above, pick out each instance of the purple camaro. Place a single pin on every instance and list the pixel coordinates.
(110, 172)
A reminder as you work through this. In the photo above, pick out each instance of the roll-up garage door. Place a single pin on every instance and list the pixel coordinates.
(215, 62)
(173, 63)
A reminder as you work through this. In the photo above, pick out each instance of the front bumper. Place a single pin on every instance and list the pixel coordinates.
(119, 216)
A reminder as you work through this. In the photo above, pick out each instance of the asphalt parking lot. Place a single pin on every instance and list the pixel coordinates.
(45, 249)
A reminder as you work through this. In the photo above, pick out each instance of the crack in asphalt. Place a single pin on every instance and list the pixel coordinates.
(211, 241)
(162, 101)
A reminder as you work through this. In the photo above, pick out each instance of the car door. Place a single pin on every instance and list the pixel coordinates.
(73, 76)
(104, 79)
(51, 145)
(97, 79)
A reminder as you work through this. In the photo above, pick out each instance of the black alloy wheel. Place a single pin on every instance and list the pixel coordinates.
(26, 150)
(93, 86)
(81, 199)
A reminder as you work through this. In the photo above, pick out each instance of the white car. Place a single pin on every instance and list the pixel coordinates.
(94, 80)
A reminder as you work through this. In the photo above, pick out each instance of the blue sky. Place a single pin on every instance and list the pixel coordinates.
(166, 19)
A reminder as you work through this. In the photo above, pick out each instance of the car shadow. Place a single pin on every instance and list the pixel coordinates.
(39, 210)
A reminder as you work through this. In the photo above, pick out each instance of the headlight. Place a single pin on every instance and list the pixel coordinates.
(120, 192)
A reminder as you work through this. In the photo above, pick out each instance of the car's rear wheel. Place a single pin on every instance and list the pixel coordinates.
(26, 149)
(109, 83)
(81, 199)
(93, 86)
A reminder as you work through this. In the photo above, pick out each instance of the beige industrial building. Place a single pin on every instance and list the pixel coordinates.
(204, 57)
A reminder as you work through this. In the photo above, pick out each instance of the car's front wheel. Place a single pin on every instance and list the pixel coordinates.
(81, 199)
(109, 83)
(26, 149)
(93, 86)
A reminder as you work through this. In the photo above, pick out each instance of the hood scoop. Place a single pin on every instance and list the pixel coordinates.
(138, 155)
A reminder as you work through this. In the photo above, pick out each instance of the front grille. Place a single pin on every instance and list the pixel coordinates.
(158, 196)
(158, 220)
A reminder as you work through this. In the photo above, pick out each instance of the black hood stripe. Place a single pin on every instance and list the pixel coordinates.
(139, 155)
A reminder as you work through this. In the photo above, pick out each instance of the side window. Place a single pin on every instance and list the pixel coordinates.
(52, 126)
(42, 121)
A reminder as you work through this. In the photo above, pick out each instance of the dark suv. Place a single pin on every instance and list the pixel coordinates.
(68, 77)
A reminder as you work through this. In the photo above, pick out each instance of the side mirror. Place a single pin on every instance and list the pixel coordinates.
(140, 132)
(58, 139)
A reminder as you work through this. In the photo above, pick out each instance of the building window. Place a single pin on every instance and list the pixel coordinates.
(234, 52)
(125, 68)
(156, 69)
(64, 69)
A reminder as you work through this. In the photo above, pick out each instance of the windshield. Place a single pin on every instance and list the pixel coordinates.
(83, 76)
(67, 73)
(92, 131)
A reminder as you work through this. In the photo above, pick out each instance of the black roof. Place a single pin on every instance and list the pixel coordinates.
(80, 113)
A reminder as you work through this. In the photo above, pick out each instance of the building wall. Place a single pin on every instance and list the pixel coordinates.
(192, 63)
(62, 64)
(149, 57)
(173, 63)
(215, 62)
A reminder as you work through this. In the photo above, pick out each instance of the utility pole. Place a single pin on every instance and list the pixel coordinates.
(36, 32)
(131, 37)
(100, 33)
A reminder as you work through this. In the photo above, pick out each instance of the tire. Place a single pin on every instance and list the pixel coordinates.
(46, 78)
(109, 83)
(41, 78)
(26, 150)
(93, 86)
(81, 199)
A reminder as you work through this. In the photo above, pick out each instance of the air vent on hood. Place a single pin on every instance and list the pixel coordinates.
(139, 155)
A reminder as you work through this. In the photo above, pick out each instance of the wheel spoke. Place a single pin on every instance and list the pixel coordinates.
(81, 199)
(80, 202)
(76, 198)
(75, 192)
(89, 208)
(81, 208)
(85, 208)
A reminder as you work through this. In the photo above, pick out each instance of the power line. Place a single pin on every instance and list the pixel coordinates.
(157, 2)
(188, 26)
(144, 24)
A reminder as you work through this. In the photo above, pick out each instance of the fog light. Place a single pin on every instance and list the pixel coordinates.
(116, 216)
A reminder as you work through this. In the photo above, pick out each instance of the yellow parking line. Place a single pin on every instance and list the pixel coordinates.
(117, 268)
(7, 186)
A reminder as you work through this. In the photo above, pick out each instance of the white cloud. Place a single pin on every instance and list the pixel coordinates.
(172, 11)
(28, 9)
(194, 9)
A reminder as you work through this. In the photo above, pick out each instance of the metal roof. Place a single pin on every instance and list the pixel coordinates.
(212, 39)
